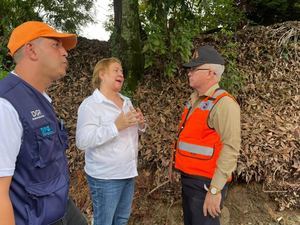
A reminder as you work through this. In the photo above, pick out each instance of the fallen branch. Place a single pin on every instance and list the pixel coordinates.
(159, 186)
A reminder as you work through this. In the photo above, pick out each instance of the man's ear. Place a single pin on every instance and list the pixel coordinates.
(212, 74)
(29, 51)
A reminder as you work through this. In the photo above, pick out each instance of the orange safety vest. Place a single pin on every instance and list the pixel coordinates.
(198, 146)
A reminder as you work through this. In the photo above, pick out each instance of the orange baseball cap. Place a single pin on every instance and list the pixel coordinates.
(31, 30)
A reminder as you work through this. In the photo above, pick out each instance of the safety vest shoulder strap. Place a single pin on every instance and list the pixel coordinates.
(209, 102)
(218, 92)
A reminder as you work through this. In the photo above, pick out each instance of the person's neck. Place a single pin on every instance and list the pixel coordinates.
(202, 90)
(31, 77)
(112, 96)
(109, 94)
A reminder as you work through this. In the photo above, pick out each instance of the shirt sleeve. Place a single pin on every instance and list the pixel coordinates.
(225, 119)
(90, 132)
(11, 131)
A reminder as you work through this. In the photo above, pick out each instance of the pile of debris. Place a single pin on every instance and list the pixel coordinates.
(268, 59)
(270, 101)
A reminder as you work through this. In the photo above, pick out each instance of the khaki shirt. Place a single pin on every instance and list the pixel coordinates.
(225, 119)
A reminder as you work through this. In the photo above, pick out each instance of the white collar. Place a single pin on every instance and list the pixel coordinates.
(101, 98)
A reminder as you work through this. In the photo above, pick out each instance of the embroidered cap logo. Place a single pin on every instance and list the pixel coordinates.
(195, 54)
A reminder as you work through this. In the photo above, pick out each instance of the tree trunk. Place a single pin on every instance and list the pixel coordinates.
(126, 41)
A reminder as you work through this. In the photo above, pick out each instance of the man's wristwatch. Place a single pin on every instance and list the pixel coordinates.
(213, 190)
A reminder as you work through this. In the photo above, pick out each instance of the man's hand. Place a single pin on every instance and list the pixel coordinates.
(126, 120)
(212, 204)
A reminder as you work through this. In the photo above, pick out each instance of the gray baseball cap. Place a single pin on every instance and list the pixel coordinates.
(205, 55)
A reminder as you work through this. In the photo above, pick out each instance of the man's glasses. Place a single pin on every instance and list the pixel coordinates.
(193, 70)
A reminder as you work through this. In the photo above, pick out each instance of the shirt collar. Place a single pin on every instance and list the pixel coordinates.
(211, 90)
(99, 97)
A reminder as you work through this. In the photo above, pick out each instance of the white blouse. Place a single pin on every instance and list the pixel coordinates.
(109, 154)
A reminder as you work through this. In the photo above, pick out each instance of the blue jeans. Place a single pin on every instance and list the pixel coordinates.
(112, 200)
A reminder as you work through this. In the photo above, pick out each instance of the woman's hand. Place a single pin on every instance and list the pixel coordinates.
(126, 120)
(141, 119)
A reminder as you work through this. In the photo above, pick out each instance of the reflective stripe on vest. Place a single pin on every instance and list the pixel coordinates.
(203, 150)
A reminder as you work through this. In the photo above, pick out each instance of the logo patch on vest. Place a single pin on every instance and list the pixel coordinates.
(37, 114)
(204, 105)
(46, 130)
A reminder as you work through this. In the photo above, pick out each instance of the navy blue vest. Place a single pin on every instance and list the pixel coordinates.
(40, 184)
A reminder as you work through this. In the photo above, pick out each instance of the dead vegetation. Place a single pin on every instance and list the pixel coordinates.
(270, 103)
(268, 58)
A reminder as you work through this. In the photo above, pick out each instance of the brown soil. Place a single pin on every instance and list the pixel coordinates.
(245, 205)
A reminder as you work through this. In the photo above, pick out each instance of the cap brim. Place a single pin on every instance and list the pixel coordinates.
(193, 63)
(69, 41)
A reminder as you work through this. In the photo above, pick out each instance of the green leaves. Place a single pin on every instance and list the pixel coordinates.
(67, 15)
(3, 70)
(169, 37)
(172, 25)
(5, 63)
(232, 79)
(3, 74)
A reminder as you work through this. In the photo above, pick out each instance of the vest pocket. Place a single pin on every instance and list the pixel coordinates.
(47, 200)
(49, 149)
(63, 134)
